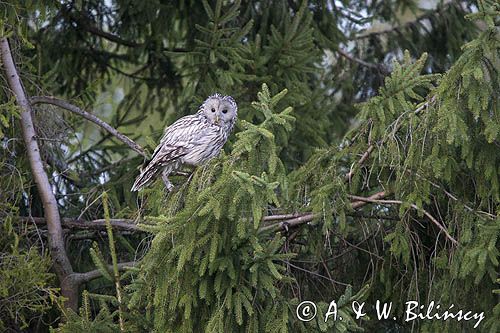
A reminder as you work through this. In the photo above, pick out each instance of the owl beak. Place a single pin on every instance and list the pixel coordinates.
(217, 120)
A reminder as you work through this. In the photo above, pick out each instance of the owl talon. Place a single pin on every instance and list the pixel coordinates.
(167, 183)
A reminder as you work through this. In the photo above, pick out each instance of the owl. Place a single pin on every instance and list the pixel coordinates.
(191, 140)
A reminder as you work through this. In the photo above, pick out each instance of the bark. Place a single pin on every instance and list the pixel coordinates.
(60, 260)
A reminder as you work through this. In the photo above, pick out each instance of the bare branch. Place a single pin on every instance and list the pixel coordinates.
(379, 67)
(89, 116)
(357, 202)
(290, 223)
(86, 24)
(360, 203)
(100, 224)
(58, 253)
(308, 217)
(314, 273)
(428, 14)
(91, 275)
(362, 160)
(282, 217)
(399, 202)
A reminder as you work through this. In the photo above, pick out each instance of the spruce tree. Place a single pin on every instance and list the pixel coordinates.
(364, 164)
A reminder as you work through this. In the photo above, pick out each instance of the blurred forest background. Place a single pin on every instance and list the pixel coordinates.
(365, 164)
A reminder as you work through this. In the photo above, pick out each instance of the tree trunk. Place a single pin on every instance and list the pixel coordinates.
(60, 260)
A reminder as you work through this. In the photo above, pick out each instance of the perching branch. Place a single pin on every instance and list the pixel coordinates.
(58, 253)
(286, 220)
(89, 116)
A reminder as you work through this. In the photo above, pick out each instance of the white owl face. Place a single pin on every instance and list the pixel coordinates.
(220, 110)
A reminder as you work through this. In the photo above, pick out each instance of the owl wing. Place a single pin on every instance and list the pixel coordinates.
(178, 138)
(176, 142)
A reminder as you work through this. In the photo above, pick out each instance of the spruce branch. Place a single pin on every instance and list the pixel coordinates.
(371, 147)
(89, 116)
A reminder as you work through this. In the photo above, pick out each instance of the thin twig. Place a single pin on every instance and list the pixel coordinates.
(89, 116)
(379, 67)
(370, 148)
(399, 202)
(314, 273)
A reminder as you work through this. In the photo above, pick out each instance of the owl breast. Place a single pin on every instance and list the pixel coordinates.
(207, 147)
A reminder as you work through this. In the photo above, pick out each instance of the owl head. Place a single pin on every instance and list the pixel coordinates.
(220, 110)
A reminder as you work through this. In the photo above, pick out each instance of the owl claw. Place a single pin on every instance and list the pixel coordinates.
(167, 182)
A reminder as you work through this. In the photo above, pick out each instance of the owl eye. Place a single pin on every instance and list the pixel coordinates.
(224, 111)
(213, 110)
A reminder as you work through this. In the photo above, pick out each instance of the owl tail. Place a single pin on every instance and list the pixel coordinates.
(146, 176)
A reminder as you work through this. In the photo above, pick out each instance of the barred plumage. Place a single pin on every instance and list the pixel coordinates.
(191, 140)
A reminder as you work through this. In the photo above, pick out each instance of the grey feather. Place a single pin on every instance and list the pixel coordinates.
(191, 140)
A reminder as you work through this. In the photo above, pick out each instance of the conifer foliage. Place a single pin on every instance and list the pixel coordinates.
(364, 166)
